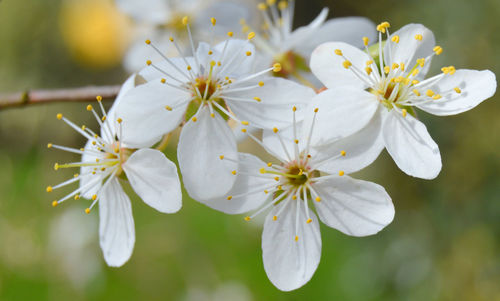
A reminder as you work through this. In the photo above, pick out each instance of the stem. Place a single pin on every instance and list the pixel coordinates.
(82, 94)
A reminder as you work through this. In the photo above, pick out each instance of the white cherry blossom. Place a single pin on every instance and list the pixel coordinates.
(105, 160)
(289, 190)
(384, 96)
(200, 93)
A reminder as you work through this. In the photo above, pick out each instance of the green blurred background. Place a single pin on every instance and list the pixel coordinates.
(444, 242)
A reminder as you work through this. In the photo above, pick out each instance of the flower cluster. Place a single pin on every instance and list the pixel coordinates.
(364, 100)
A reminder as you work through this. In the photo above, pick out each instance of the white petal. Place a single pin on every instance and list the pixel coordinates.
(177, 68)
(145, 118)
(355, 207)
(248, 191)
(272, 141)
(290, 264)
(86, 172)
(201, 144)
(474, 86)
(362, 148)
(149, 11)
(116, 226)
(349, 30)
(328, 68)
(304, 33)
(234, 59)
(278, 96)
(411, 146)
(154, 178)
(342, 112)
(227, 14)
(409, 49)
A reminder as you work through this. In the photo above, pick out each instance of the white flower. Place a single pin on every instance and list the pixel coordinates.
(159, 19)
(105, 159)
(383, 96)
(291, 241)
(292, 48)
(200, 92)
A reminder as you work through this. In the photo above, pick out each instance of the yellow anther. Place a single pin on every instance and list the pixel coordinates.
(445, 70)
(338, 52)
(94, 143)
(452, 70)
(243, 130)
(275, 130)
(163, 80)
(212, 115)
(429, 93)
(294, 108)
(341, 173)
(294, 197)
(395, 66)
(276, 179)
(277, 67)
(270, 164)
(457, 89)
(221, 157)
(98, 98)
(271, 2)
(185, 20)
(262, 170)
(219, 64)
(251, 35)
(402, 66)
(87, 211)
(213, 21)
(366, 41)
(59, 116)
(148, 42)
(395, 39)
(275, 217)
(189, 68)
(342, 153)
(261, 6)
(194, 119)
(387, 69)
(296, 238)
(83, 127)
(55, 203)
(103, 118)
(77, 197)
(346, 64)
(316, 110)
(404, 112)
(369, 62)
(148, 62)
(309, 220)
(296, 141)
(233, 172)
(94, 197)
(119, 120)
(418, 37)
(210, 52)
(49, 189)
(317, 199)
(261, 83)
(415, 91)
(247, 218)
(282, 5)
(257, 99)
(368, 70)
(266, 192)
(415, 72)
(49, 145)
(421, 62)
(414, 82)
(436, 97)
(56, 166)
(438, 50)
(383, 26)
(229, 197)
(248, 53)
(171, 39)
(230, 33)
(279, 187)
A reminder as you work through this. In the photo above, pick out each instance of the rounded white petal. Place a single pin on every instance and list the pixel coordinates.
(409, 49)
(116, 225)
(361, 149)
(148, 11)
(303, 34)
(281, 143)
(411, 146)
(233, 57)
(145, 118)
(328, 67)
(154, 178)
(201, 144)
(86, 171)
(177, 68)
(228, 16)
(277, 96)
(474, 87)
(290, 264)
(355, 207)
(247, 193)
(349, 30)
(342, 111)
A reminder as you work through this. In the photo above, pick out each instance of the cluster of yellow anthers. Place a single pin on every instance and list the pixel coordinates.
(107, 154)
(394, 84)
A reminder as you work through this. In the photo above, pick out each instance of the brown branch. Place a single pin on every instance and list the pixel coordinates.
(83, 94)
